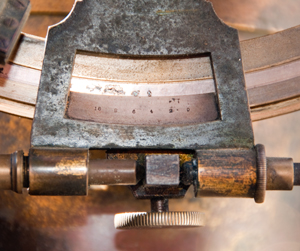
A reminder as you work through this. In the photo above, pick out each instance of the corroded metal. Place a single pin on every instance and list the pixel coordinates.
(145, 30)
(162, 169)
(226, 172)
(160, 31)
(158, 220)
(265, 67)
(58, 171)
(142, 191)
(13, 15)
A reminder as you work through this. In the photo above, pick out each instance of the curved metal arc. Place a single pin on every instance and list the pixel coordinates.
(261, 57)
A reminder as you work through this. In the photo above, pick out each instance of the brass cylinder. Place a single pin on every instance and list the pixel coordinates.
(12, 171)
(112, 172)
(226, 173)
(280, 174)
(17, 173)
(58, 171)
(5, 172)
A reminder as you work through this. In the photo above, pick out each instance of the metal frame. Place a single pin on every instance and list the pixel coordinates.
(162, 29)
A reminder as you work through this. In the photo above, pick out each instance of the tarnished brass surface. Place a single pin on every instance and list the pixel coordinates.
(71, 223)
(12, 173)
(226, 172)
(58, 171)
(162, 170)
(5, 172)
(75, 223)
(17, 171)
(280, 174)
(112, 172)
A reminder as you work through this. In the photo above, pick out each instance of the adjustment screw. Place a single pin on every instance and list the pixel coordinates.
(158, 220)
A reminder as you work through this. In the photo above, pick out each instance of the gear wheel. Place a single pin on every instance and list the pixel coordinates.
(158, 220)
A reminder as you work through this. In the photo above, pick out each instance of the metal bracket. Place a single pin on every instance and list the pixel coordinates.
(164, 29)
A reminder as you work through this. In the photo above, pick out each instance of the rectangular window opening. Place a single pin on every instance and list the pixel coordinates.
(142, 91)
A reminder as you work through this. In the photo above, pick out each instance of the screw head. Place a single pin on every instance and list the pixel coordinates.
(11, 22)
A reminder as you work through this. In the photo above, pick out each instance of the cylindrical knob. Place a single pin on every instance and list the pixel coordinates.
(158, 220)
(54, 171)
(280, 174)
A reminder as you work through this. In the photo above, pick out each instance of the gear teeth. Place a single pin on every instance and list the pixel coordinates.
(158, 220)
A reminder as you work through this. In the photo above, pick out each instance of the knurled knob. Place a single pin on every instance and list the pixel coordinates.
(158, 220)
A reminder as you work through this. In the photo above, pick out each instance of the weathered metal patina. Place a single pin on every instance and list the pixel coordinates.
(219, 145)
(162, 29)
